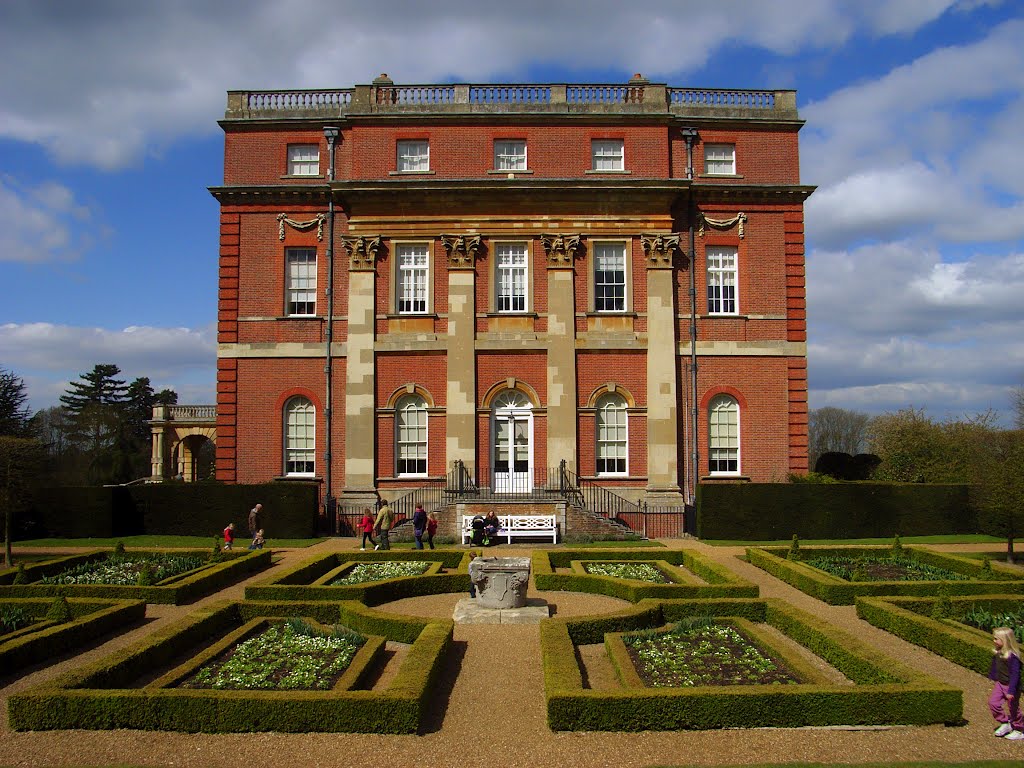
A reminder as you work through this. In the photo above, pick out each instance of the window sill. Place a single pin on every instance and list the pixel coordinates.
(620, 172)
(720, 176)
(300, 317)
(619, 313)
(411, 315)
(523, 172)
(411, 173)
(724, 316)
(301, 176)
(525, 313)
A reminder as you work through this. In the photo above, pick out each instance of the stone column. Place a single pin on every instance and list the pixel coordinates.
(663, 432)
(561, 342)
(360, 375)
(460, 443)
(157, 430)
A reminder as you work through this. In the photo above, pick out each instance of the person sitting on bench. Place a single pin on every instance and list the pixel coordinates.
(477, 538)
(491, 527)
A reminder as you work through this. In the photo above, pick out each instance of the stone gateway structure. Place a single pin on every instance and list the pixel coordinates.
(504, 288)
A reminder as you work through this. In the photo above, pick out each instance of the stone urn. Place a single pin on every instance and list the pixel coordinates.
(500, 582)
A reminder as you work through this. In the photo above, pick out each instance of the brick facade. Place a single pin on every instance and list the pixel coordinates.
(561, 354)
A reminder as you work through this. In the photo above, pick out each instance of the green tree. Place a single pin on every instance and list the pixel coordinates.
(94, 407)
(999, 491)
(835, 430)
(915, 449)
(21, 462)
(15, 416)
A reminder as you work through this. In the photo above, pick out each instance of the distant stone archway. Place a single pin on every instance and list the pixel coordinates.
(184, 439)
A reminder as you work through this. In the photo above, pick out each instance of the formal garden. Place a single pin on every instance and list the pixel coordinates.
(696, 648)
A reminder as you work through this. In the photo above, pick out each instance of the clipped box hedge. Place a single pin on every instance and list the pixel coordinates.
(226, 569)
(910, 618)
(45, 639)
(301, 582)
(720, 581)
(884, 691)
(837, 591)
(107, 694)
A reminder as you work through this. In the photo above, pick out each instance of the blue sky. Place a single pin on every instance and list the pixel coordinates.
(109, 139)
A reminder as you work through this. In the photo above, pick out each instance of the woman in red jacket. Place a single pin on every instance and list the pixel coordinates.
(366, 526)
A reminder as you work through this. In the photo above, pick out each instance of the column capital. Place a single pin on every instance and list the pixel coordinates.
(561, 249)
(362, 252)
(462, 250)
(659, 249)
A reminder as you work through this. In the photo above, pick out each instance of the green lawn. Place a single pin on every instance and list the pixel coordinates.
(967, 538)
(193, 542)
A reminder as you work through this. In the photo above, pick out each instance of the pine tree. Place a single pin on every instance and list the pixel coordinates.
(15, 417)
(95, 410)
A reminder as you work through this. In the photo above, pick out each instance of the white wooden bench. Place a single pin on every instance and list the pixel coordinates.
(522, 526)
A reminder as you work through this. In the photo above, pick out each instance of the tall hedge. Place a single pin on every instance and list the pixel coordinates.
(290, 510)
(773, 511)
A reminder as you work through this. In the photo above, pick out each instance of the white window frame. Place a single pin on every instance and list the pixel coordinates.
(612, 437)
(299, 437)
(510, 155)
(600, 253)
(412, 155)
(720, 159)
(511, 278)
(723, 277)
(300, 281)
(412, 278)
(723, 435)
(411, 438)
(303, 159)
(607, 155)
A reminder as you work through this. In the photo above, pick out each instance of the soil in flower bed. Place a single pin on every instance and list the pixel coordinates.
(882, 569)
(717, 654)
(365, 572)
(126, 569)
(286, 656)
(635, 571)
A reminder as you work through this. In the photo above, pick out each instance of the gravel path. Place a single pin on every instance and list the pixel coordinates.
(490, 707)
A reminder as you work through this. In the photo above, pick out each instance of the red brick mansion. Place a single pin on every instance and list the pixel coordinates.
(503, 288)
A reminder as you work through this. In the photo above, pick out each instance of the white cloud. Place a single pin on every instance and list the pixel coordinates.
(43, 223)
(49, 356)
(104, 83)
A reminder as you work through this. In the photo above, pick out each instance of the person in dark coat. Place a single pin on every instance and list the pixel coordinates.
(419, 525)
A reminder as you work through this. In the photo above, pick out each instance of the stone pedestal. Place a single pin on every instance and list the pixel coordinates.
(469, 611)
(500, 582)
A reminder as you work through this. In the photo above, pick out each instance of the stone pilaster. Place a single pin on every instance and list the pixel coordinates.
(460, 443)
(360, 368)
(561, 343)
(662, 377)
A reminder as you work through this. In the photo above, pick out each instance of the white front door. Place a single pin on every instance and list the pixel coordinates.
(512, 443)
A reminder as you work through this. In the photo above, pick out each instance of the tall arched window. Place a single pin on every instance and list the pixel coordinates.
(611, 435)
(411, 436)
(299, 437)
(723, 435)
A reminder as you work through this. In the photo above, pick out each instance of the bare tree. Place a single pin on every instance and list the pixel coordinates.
(835, 430)
(1017, 398)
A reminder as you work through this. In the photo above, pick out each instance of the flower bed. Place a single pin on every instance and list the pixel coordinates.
(690, 575)
(41, 639)
(112, 693)
(128, 569)
(939, 625)
(891, 568)
(972, 577)
(648, 572)
(708, 653)
(322, 577)
(210, 574)
(883, 691)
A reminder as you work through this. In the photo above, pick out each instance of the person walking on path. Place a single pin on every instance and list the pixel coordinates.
(254, 520)
(431, 528)
(385, 519)
(366, 526)
(229, 536)
(1004, 703)
(419, 525)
